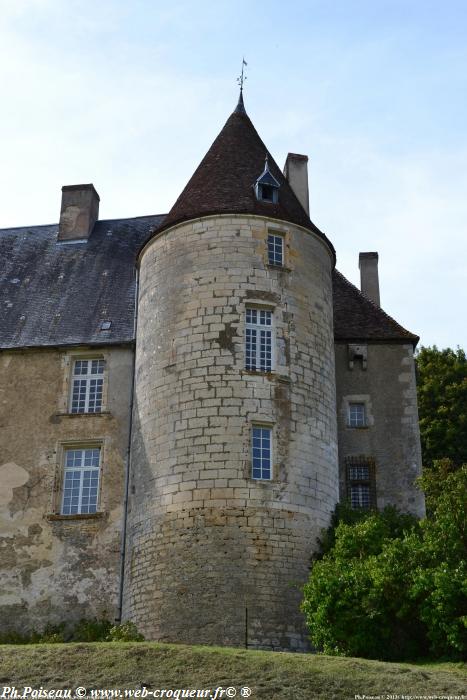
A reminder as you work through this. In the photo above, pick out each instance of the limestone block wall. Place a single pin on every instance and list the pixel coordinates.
(57, 568)
(214, 556)
(387, 387)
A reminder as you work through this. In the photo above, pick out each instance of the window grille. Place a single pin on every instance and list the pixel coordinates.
(361, 483)
(275, 250)
(87, 383)
(81, 481)
(262, 452)
(258, 340)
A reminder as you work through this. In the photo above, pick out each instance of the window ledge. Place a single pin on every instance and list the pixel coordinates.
(67, 414)
(357, 427)
(272, 375)
(279, 268)
(75, 516)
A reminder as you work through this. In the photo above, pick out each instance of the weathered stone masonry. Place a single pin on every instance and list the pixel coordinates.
(210, 554)
(208, 545)
(57, 568)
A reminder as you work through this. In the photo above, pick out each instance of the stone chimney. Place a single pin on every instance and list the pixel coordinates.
(369, 282)
(79, 212)
(296, 174)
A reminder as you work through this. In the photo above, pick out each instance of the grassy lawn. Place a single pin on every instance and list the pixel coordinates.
(270, 675)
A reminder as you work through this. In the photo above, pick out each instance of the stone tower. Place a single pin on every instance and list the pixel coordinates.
(234, 451)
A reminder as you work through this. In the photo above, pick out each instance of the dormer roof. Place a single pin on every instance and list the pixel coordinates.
(224, 181)
(266, 177)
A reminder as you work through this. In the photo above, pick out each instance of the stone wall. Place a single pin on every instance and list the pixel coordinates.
(214, 556)
(387, 388)
(57, 568)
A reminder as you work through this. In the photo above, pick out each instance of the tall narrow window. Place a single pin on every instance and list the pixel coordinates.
(275, 249)
(357, 415)
(262, 452)
(81, 480)
(258, 340)
(361, 482)
(86, 393)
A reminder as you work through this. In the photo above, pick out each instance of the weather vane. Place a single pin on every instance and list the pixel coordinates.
(242, 77)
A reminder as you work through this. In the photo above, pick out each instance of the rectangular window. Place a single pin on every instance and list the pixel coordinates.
(81, 480)
(360, 496)
(360, 475)
(357, 415)
(258, 340)
(262, 452)
(87, 383)
(275, 249)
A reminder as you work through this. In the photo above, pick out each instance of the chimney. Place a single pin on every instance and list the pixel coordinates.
(296, 174)
(369, 282)
(79, 212)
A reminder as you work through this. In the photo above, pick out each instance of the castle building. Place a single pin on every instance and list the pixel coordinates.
(185, 398)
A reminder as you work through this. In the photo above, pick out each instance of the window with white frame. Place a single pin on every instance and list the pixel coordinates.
(275, 249)
(81, 473)
(357, 417)
(259, 340)
(87, 384)
(360, 473)
(261, 452)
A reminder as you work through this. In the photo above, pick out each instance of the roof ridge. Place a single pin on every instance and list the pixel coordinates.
(99, 221)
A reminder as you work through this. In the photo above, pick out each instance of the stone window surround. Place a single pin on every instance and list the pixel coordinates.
(262, 426)
(261, 306)
(284, 232)
(94, 374)
(355, 462)
(86, 502)
(264, 422)
(57, 494)
(364, 399)
(67, 362)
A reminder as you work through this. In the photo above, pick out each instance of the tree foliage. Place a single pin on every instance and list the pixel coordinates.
(442, 404)
(391, 588)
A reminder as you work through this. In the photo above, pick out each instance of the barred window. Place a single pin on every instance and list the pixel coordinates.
(357, 418)
(87, 383)
(259, 340)
(81, 480)
(361, 486)
(275, 249)
(262, 452)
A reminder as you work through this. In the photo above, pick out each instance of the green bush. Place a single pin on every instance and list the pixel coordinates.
(386, 587)
(125, 632)
(91, 631)
(84, 631)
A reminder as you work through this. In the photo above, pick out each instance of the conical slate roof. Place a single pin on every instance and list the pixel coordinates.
(224, 181)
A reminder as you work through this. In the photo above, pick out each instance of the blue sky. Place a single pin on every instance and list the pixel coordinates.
(129, 96)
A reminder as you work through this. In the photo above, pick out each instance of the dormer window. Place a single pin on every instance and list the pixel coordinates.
(266, 186)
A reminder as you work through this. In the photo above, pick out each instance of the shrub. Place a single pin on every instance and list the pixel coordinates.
(386, 587)
(91, 631)
(125, 632)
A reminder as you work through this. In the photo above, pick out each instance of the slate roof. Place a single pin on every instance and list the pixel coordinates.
(55, 294)
(223, 183)
(357, 318)
(59, 294)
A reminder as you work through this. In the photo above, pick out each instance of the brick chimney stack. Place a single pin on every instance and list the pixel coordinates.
(369, 282)
(79, 212)
(296, 174)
